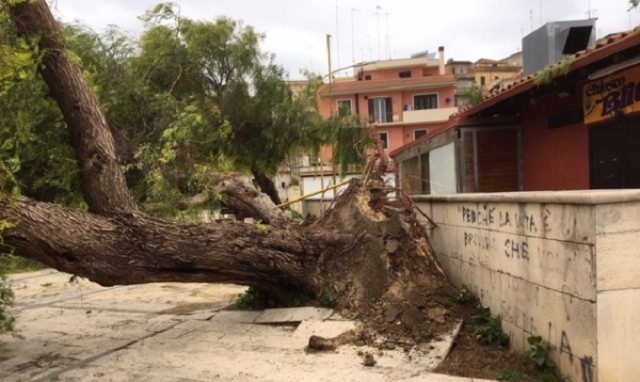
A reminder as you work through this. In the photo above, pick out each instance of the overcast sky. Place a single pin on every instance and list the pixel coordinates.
(296, 29)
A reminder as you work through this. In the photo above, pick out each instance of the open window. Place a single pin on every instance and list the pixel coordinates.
(380, 110)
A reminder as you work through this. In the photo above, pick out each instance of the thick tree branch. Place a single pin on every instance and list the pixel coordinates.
(134, 248)
(103, 183)
(239, 194)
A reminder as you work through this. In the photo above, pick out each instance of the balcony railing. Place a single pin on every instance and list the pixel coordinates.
(428, 115)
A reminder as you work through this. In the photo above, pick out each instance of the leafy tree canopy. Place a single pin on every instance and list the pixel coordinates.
(184, 100)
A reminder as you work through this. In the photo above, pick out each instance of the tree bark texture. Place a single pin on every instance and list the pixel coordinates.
(134, 248)
(241, 195)
(103, 183)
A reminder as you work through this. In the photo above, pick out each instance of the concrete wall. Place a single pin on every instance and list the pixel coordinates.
(563, 265)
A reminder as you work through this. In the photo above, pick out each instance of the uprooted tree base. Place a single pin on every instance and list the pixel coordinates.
(368, 251)
(388, 276)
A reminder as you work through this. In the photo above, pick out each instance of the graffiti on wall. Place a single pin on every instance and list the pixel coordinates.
(533, 235)
(488, 216)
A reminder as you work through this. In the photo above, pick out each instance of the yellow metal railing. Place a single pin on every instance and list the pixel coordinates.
(303, 197)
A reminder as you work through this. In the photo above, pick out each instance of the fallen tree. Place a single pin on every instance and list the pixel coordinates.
(370, 254)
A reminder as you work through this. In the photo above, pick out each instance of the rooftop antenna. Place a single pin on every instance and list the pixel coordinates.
(591, 13)
(378, 9)
(531, 17)
(310, 49)
(540, 12)
(353, 53)
(337, 37)
(387, 36)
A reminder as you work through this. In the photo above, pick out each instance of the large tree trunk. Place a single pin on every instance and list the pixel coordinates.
(134, 248)
(364, 253)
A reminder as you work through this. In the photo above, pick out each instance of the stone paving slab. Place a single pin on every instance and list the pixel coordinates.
(281, 315)
(327, 329)
(181, 332)
(240, 316)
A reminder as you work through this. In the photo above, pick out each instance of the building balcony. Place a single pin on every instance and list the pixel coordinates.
(428, 115)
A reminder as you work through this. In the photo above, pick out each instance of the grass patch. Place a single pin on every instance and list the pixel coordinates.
(16, 264)
(545, 76)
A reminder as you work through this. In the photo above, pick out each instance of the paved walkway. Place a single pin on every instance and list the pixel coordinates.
(180, 332)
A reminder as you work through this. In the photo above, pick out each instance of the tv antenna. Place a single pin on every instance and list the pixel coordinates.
(353, 51)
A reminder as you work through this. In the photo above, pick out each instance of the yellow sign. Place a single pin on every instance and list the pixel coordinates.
(617, 93)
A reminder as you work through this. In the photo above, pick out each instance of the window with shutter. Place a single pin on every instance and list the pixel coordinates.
(380, 110)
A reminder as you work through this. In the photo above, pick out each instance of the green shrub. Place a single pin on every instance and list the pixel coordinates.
(296, 299)
(296, 215)
(252, 299)
(464, 295)
(488, 329)
(538, 354)
(16, 264)
(6, 301)
(325, 299)
(512, 375)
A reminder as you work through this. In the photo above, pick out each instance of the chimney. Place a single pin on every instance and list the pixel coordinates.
(441, 57)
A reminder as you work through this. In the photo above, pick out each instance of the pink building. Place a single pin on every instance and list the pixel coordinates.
(406, 97)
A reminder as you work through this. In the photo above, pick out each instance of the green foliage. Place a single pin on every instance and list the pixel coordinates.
(252, 299)
(185, 99)
(296, 299)
(473, 95)
(32, 132)
(349, 137)
(545, 76)
(263, 228)
(516, 375)
(296, 215)
(538, 354)
(513, 375)
(488, 329)
(634, 3)
(16, 264)
(6, 301)
(6, 293)
(464, 295)
(325, 299)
